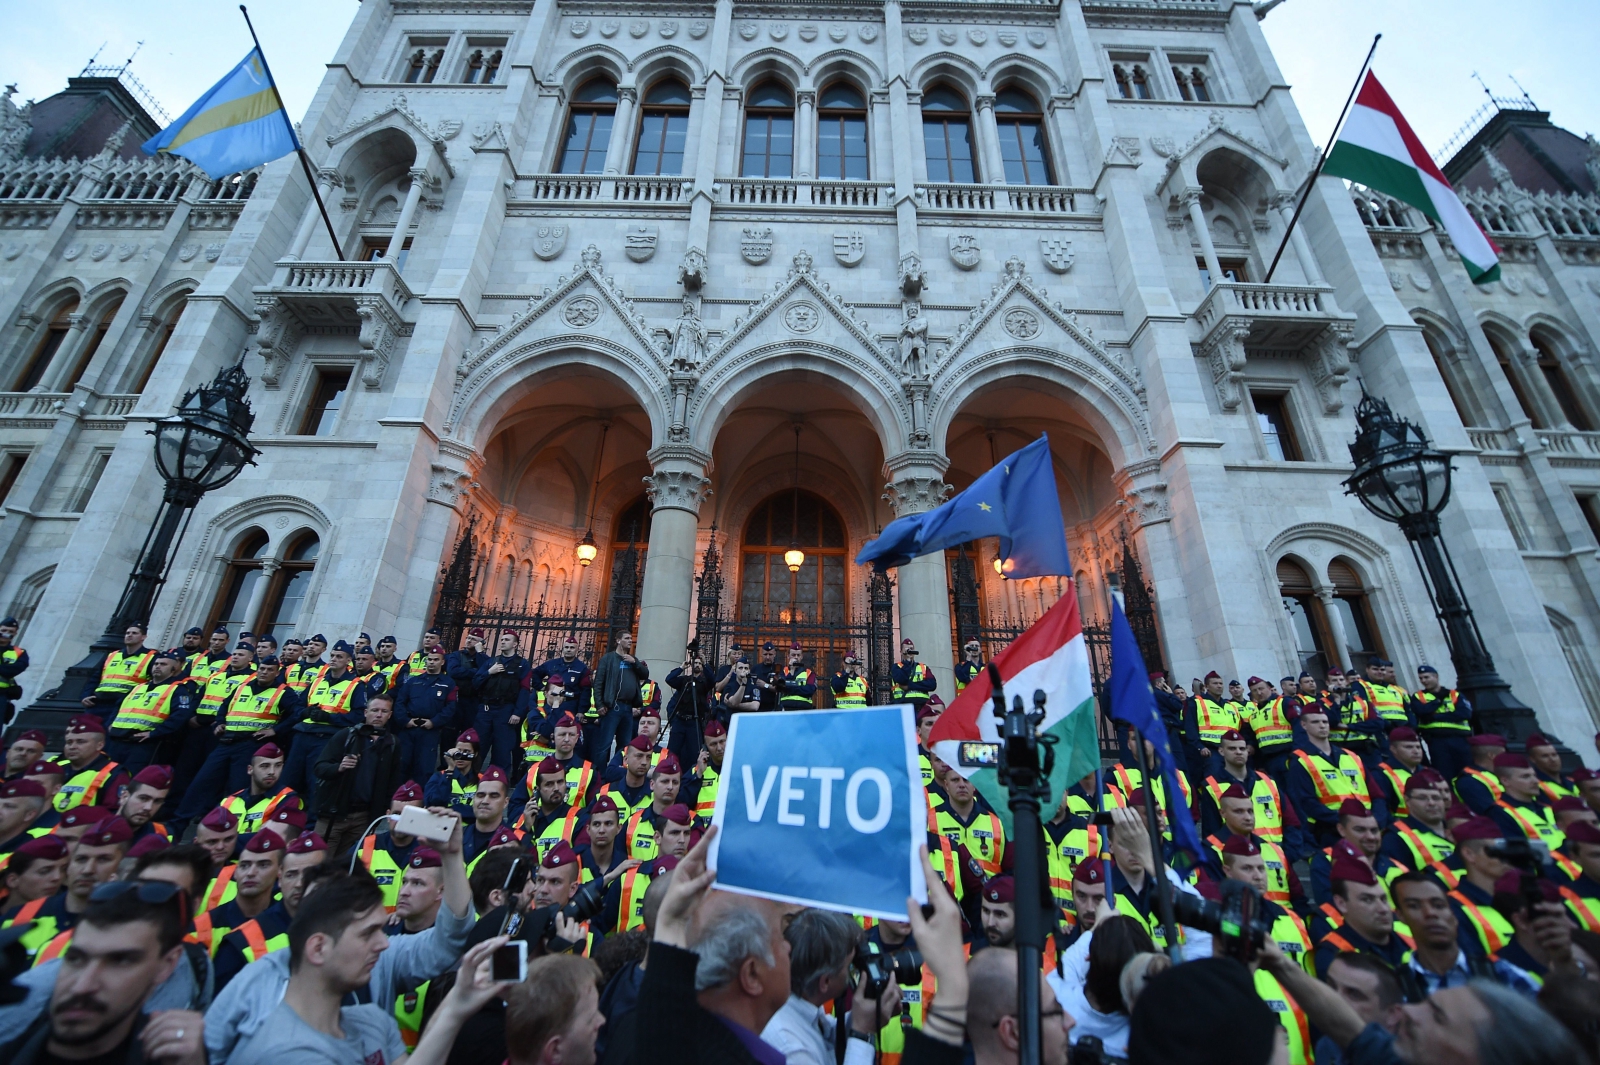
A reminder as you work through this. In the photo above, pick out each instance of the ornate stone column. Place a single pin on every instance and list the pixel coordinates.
(805, 134)
(1337, 655)
(916, 484)
(327, 181)
(993, 165)
(1284, 200)
(676, 489)
(1190, 199)
(402, 225)
(258, 594)
(621, 130)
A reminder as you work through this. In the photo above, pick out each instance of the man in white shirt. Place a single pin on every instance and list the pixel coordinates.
(822, 945)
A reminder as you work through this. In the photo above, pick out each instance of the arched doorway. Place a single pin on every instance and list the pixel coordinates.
(769, 591)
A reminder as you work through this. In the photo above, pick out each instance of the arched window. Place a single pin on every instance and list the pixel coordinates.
(55, 334)
(1311, 639)
(1133, 83)
(768, 132)
(1447, 373)
(593, 110)
(1191, 83)
(482, 66)
(239, 585)
(767, 590)
(1555, 374)
(423, 65)
(663, 126)
(96, 335)
(1350, 603)
(947, 136)
(1022, 140)
(164, 332)
(631, 529)
(841, 133)
(1503, 357)
(287, 595)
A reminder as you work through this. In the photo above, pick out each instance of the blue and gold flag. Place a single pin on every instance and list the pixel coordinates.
(239, 123)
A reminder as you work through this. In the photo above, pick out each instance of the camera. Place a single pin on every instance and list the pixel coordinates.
(1234, 921)
(586, 902)
(1528, 857)
(903, 966)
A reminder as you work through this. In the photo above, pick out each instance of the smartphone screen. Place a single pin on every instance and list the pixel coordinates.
(510, 960)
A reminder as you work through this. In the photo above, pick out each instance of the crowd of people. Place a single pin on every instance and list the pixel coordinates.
(328, 853)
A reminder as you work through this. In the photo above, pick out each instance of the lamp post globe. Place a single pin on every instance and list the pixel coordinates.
(201, 446)
(1400, 477)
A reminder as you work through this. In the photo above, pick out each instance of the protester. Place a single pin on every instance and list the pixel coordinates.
(553, 1016)
(821, 947)
(358, 770)
(1097, 1005)
(1189, 998)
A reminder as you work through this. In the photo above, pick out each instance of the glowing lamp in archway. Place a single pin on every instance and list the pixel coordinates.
(587, 551)
(794, 558)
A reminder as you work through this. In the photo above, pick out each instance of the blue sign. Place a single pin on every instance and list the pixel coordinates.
(823, 808)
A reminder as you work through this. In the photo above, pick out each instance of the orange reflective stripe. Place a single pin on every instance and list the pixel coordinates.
(1343, 945)
(202, 932)
(219, 887)
(53, 949)
(1586, 910)
(368, 847)
(1398, 782)
(258, 948)
(29, 911)
(1419, 846)
(1493, 939)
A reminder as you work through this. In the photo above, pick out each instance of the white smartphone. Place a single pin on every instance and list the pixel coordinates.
(416, 821)
(511, 961)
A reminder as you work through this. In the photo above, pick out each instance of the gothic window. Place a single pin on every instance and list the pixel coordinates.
(1555, 374)
(768, 132)
(164, 331)
(1354, 611)
(1503, 357)
(594, 109)
(12, 469)
(1193, 82)
(1132, 80)
(239, 583)
(286, 596)
(92, 345)
(1023, 147)
(422, 65)
(631, 529)
(841, 133)
(54, 335)
(1448, 373)
(816, 593)
(663, 127)
(91, 480)
(947, 136)
(483, 64)
(1310, 626)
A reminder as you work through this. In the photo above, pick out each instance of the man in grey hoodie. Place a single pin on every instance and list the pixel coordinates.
(252, 996)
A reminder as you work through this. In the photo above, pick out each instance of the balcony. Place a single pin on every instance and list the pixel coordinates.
(1237, 319)
(367, 299)
(1005, 199)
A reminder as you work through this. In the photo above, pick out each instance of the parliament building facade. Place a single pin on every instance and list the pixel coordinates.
(763, 276)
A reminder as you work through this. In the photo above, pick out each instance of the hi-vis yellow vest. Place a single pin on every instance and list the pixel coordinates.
(146, 706)
(220, 687)
(121, 672)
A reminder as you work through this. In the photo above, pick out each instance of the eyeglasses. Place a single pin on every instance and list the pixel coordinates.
(154, 892)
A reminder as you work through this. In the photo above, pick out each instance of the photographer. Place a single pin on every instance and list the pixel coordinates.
(1133, 888)
(1542, 945)
(359, 768)
(740, 693)
(690, 707)
(822, 946)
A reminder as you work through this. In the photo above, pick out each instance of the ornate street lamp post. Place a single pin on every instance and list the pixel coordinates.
(1402, 479)
(202, 446)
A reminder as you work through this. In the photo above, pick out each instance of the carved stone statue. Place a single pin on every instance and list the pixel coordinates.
(914, 343)
(688, 341)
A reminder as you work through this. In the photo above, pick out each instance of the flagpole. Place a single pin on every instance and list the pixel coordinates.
(1312, 180)
(305, 163)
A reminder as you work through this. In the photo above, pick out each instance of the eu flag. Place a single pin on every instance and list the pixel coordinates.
(239, 123)
(1015, 501)
(1133, 703)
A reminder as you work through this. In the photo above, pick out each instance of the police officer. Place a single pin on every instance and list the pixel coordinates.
(392, 668)
(22, 803)
(463, 665)
(970, 665)
(1273, 821)
(34, 878)
(1359, 837)
(142, 798)
(1391, 770)
(488, 812)
(912, 681)
(119, 672)
(417, 662)
(25, 749)
(1476, 784)
(1553, 782)
(549, 818)
(256, 802)
(1071, 840)
(966, 820)
(255, 881)
(387, 851)
(1321, 776)
(92, 778)
(212, 658)
(1521, 811)
(425, 704)
(1445, 720)
(603, 860)
(13, 663)
(312, 664)
(1390, 702)
(629, 782)
(1581, 892)
(642, 828)
(699, 789)
(999, 909)
(1239, 820)
(421, 892)
(200, 739)
(1270, 719)
(269, 930)
(502, 683)
(850, 687)
(797, 685)
(765, 671)
(255, 713)
(1208, 715)
(1418, 839)
(156, 708)
(336, 698)
(1243, 859)
(456, 784)
(741, 694)
(1366, 916)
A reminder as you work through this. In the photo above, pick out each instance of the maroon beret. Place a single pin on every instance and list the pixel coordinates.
(47, 848)
(86, 815)
(605, 804)
(1476, 828)
(493, 773)
(111, 832)
(668, 765)
(1088, 872)
(306, 843)
(155, 841)
(559, 855)
(265, 843)
(1536, 739)
(1243, 846)
(660, 866)
(566, 720)
(678, 814)
(1583, 832)
(1487, 739)
(219, 820)
(33, 735)
(86, 723)
(1508, 760)
(1346, 868)
(410, 791)
(156, 776)
(1354, 808)
(268, 750)
(469, 736)
(715, 728)
(426, 858)
(23, 788)
(639, 743)
(1402, 732)
(1000, 889)
(46, 767)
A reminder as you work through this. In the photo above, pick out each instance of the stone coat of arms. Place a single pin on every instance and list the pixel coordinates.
(640, 242)
(849, 246)
(964, 250)
(550, 241)
(1057, 252)
(756, 244)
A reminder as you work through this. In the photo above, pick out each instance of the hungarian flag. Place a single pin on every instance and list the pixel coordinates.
(1378, 149)
(1051, 656)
